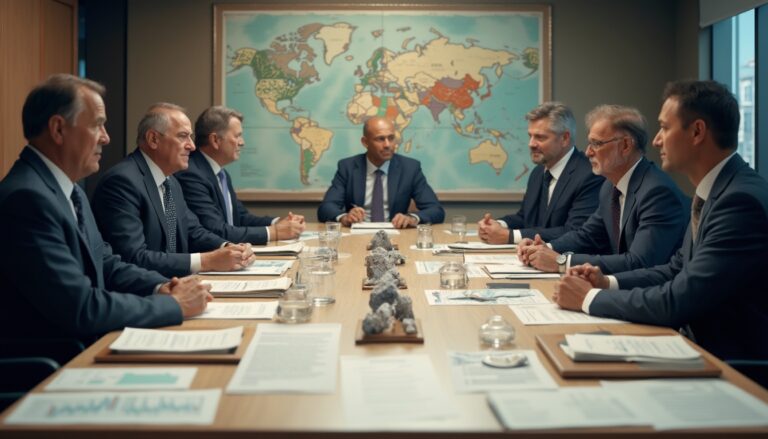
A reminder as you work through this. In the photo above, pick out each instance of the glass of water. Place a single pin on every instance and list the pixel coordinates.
(424, 236)
(294, 306)
(453, 276)
(330, 241)
(321, 282)
(459, 227)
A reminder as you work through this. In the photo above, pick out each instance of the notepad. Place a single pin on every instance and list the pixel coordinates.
(146, 341)
(634, 348)
(279, 250)
(259, 267)
(249, 288)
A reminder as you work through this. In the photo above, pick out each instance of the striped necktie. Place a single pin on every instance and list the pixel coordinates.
(170, 216)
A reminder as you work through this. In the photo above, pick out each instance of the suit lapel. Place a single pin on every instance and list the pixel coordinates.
(721, 183)
(358, 181)
(630, 199)
(560, 185)
(207, 171)
(393, 182)
(149, 184)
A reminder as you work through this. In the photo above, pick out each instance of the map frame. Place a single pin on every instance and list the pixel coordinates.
(219, 78)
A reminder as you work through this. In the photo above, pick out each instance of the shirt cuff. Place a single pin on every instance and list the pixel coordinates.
(548, 244)
(613, 283)
(269, 238)
(588, 299)
(418, 220)
(157, 288)
(195, 263)
(503, 223)
(339, 217)
(516, 236)
(276, 219)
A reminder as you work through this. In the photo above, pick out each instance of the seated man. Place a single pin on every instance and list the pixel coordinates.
(208, 188)
(710, 287)
(379, 185)
(642, 214)
(59, 277)
(140, 207)
(562, 190)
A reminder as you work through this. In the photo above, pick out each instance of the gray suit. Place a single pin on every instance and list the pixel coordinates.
(58, 282)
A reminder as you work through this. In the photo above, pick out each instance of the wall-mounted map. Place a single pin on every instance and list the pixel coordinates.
(456, 83)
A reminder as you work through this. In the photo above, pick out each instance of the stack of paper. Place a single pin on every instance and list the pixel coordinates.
(373, 225)
(279, 250)
(517, 271)
(594, 347)
(482, 247)
(249, 288)
(140, 341)
(259, 267)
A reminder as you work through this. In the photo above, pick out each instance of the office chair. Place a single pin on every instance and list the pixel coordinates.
(756, 370)
(20, 375)
(60, 350)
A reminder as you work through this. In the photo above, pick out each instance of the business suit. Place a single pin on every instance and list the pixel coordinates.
(711, 285)
(57, 281)
(405, 181)
(204, 198)
(652, 225)
(573, 200)
(131, 217)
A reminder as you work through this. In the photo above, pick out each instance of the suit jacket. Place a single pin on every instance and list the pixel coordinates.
(655, 216)
(56, 281)
(203, 197)
(573, 200)
(405, 181)
(130, 215)
(712, 285)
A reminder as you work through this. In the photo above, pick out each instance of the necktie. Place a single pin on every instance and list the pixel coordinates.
(170, 216)
(77, 201)
(696, 206)
(616, 212)
(544, 198)
(225, 193)
(377, 199)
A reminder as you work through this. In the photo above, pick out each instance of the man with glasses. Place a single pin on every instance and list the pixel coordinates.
(642, 214)
(562, 190)
(711, 286)
(141, 210)
(208, 187)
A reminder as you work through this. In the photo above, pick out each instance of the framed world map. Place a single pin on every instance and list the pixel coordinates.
(457, 83)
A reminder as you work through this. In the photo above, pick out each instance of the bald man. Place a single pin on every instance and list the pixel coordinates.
(379, 185)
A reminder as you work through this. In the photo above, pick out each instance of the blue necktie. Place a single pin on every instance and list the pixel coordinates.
(225, 193)
(77, 202)
(377, 199)
(544, 199)
(170, 216)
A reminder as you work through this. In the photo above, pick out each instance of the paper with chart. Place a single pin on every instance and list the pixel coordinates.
(239, 310)
(122, 378)
(140, 340)
(187, 407)
(433, 267)
(552, 314)
(471, 375)
(691, 403)
(289, 359)
(566, 407)
(394, 392)
(249, 288)
(488, 296)
(259, 267)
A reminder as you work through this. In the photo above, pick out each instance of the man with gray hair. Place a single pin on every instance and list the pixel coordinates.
(208, 187)
(59, 278)
(141, 209)
(562, 190)
(642, 214)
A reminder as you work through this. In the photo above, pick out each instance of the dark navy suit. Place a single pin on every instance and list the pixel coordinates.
(58, 282)
(131, 217)
(655, 217)
(573, 200)
(203, 197)
(405, 181)
(715, 286)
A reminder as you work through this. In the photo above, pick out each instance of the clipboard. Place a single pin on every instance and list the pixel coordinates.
(107, 355)
(567, 368)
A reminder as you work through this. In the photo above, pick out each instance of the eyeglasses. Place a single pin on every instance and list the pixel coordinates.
(597, 144)
(182, 136)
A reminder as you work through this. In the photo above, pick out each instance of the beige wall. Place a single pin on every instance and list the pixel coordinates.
(604, 51)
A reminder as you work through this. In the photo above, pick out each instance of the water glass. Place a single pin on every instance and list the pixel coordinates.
(453, 275)
(424, 236)
(294, 306)
(333, 227)
(321, 283)
(330, 241)
(459, 227)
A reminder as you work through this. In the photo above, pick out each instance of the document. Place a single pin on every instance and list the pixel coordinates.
(122, 378)
(289, 359)
(368, 231)
(691, 403)
(482, 247)
(433, 267)
(552, 314)
(259, 267)
(657, 348)
(471, 375)
(439, 248)
(187, 407)
(516, 271)
(249, 288)
(487, 296)
(394, 393)
(239, 310)
(567, 407)
(279, 250)
(139, 340)
(483, 259)
(470, 232)
(373, 225)
(307, 236)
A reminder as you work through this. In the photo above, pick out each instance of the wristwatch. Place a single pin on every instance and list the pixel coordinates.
(563, 262)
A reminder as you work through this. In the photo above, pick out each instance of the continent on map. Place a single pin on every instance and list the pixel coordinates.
(313, 141)
(377, 33)
(489, 152)
(336, 39)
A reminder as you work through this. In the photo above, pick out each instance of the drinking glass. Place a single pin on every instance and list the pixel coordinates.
(459, 227)
(294, 306)
(424, 236)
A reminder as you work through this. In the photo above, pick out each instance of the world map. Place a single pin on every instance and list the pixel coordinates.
(456, 86)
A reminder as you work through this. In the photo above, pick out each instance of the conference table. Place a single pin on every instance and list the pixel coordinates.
(445, 328)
